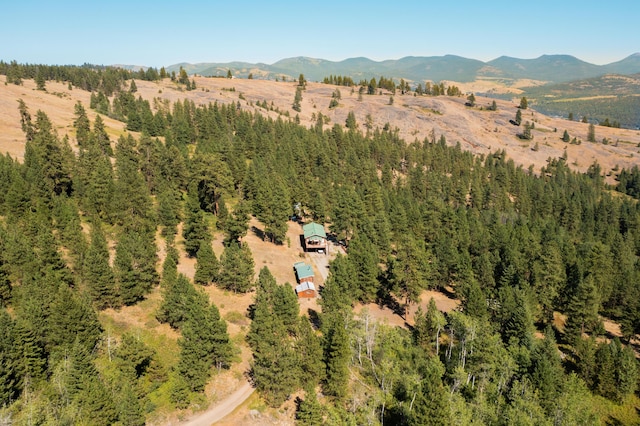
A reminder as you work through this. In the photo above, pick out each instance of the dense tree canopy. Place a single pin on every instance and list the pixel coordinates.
(517, 247)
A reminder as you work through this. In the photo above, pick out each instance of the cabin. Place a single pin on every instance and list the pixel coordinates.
(315, 237)
(304, 276)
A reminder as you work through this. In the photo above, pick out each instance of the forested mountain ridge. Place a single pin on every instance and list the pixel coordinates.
(417, 69)
(537, 256)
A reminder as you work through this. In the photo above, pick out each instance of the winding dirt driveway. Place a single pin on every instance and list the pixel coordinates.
(225, 407)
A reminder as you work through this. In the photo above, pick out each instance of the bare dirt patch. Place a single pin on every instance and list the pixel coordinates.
(444, 303)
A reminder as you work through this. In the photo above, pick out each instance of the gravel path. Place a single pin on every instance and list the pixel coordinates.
(224, 408)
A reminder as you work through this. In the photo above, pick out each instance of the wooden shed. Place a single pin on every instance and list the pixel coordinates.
(304, 276)
(315, 237)
(306, 290)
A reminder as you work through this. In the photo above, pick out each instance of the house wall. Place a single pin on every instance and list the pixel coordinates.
(307, 294)
(311, 246)
(306, 280)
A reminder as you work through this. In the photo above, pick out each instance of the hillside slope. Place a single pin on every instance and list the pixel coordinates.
(414, 118)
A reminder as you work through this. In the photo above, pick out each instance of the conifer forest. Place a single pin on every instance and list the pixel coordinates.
(539, 260)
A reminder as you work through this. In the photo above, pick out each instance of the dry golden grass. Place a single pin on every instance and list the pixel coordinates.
(477, 130)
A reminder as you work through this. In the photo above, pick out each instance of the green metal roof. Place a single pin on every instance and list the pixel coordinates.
(313, 230)
(303, 270)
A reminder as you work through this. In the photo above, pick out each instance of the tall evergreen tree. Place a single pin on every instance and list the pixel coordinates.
(98, 274)
(309, 411)
(591, 133)
(274, 369)
(309, 350)
(82, 125)
(582, 310)
(72, 321)
(135, 265)
(195, 230)
(100, 137)
(204, 342)
(48, 161)
(236, 268)
(207, 266)
(9, 373)
(364, 257)
(337, 355)
(432, 401)
(176, 299)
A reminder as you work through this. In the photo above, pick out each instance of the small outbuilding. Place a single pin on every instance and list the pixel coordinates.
(306, 290)
(315, 237)
(304, 276)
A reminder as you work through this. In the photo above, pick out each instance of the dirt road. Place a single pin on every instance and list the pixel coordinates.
(225, 407)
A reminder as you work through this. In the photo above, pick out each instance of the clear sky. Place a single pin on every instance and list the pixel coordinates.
(161, 33)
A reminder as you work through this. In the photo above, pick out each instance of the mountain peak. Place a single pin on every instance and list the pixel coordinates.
(548, 67)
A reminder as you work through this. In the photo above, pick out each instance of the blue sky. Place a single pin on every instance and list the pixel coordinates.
(161, 33)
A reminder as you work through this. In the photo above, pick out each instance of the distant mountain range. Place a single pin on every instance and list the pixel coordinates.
(547, 68)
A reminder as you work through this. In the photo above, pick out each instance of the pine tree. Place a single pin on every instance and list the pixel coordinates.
(410, 272)
(547, 372)
(48, 161)
(168, 212)
(135, 264)
(286, 308)
(338, 292)
(524, 104)
(591, 133)
(238, 223)
(364, 257)
(9, 380)
(98, 274)
(5, 286)
(170, 267)
(72, 321)
(40, 79)
(297, 100)
(195, 229)
(431, 405)
(309, 412)
(515, 317)
(309, 350)
(132, 199)
(129, 408)
(582, 310)
(518, 119)
(276, 366)
(82, 125)
(204, 342)
(31, 358)
(236, 268)
(337, 355)
(207, 266)
(273, 207)
(471, 100)
(133, 356)
(176, 299)
(97, 183)
(351, 123)
(429, 325)
(100, 137)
